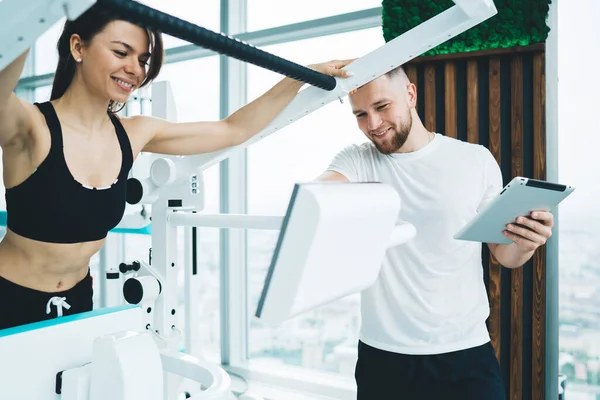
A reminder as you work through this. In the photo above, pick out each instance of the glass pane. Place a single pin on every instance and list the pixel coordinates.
(261, 12)
(323, 338)
(205, 13)
(195, 85)
(46, 54)
(579, 265)
(196, 99)
(42, 93)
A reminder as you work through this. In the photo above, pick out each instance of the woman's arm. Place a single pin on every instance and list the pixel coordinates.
(14, 118)
(204, 137)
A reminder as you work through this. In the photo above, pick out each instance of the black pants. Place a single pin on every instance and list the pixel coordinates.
(22, 305)
(471, 374)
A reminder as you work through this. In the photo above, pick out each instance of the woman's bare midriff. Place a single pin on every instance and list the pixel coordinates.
(46, 267)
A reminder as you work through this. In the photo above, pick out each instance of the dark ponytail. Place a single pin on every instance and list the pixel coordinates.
(90, 23)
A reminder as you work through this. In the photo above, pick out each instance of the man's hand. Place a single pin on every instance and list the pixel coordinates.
(531, 232)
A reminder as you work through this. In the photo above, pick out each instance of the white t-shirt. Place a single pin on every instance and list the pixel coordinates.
(430, 297)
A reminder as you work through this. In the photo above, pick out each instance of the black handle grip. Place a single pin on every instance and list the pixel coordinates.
(134, 266)
(150, 18)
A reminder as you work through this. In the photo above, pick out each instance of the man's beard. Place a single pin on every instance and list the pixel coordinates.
(393, 144)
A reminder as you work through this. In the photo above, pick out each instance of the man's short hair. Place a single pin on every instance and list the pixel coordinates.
(398, 72)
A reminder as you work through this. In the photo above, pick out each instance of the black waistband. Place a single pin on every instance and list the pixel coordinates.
(10, 288)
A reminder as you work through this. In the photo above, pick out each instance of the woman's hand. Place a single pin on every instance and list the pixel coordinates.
(333, 68)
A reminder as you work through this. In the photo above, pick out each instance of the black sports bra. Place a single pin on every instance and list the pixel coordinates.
(51, 206)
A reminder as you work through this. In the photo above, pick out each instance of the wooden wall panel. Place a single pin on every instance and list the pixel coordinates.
(430, 115)
(411, 72)
(516, 274)
(472, 102)
(539, 259)
(494, 147)
(450, 98)
(505, 111)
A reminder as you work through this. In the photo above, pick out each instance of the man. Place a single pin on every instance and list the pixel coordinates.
(423, 333)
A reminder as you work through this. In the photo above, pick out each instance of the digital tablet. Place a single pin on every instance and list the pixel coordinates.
(519, 198)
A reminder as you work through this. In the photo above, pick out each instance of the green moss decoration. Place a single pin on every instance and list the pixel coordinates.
(517, 23)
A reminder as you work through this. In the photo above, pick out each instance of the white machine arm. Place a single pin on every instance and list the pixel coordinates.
(401, 233)
(475, 8)
(216, 381)
(22, 22)
(129, 365)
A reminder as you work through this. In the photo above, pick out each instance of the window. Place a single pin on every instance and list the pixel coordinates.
(260, 10)
(204, 13)
(301, 151)
(579, 265)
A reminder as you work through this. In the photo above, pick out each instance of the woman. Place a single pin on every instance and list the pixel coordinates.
(66, 161)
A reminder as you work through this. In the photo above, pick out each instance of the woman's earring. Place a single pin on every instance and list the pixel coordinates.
(79, 60)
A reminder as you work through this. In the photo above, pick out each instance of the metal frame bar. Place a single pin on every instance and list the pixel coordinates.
(192, 293)
(364, 19)
(551, 350)
(229, 220)
(110, 256)
(233, 200)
